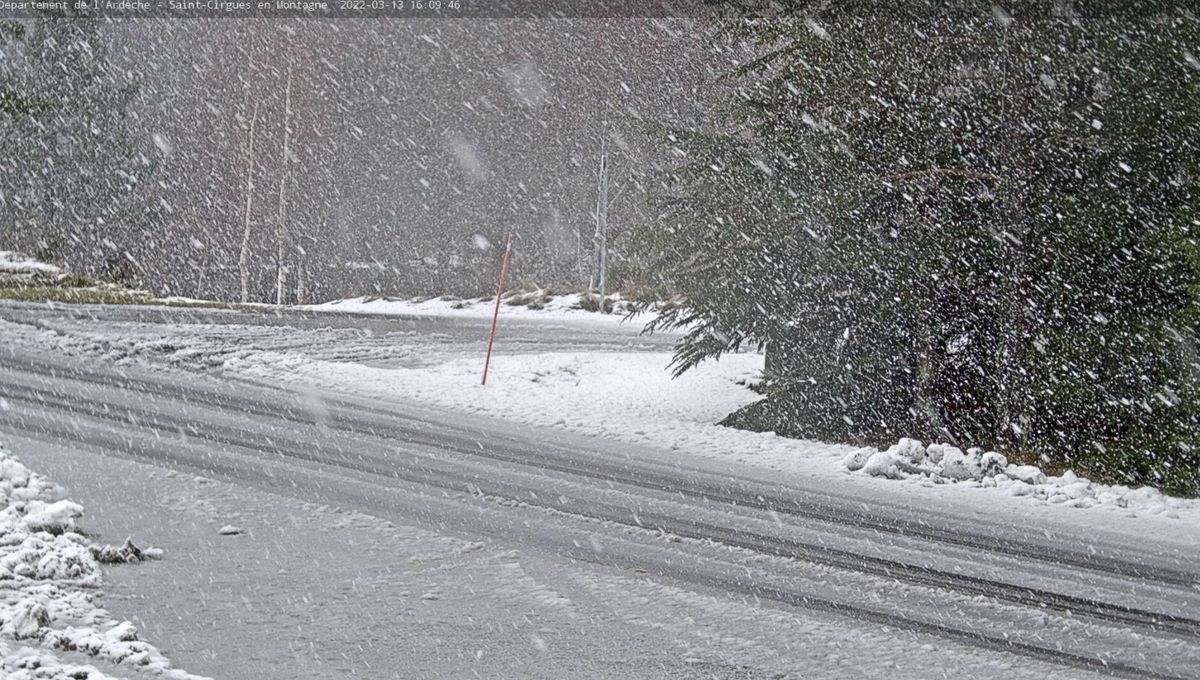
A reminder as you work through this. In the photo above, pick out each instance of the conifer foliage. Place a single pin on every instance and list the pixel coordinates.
(956, 223)
(72, 174)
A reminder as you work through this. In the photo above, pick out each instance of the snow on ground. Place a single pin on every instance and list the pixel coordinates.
(314, 592)
(631, 397)
(18, 263)
(536, 304)
(49, 572)
(945, 464)
(624, 396)
(24, 278)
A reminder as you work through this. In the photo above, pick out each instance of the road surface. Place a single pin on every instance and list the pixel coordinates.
(392, 539)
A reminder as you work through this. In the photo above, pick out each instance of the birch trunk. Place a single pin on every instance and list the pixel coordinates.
(301, 293)
(244, 258)
(280, 265)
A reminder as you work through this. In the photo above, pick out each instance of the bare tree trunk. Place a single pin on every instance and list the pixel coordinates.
(280, 265)
(301, 293)
(244, 258)
(601, 237)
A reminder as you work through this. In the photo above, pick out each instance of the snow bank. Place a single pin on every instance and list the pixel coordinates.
(23, 663)
(48, 575)
(631, 397)
(942, 463)
(534, 305)
(624, 396)
(16, 263)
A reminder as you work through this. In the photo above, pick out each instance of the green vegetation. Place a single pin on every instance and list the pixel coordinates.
(75, 174)
(954, 225)
(38, 283)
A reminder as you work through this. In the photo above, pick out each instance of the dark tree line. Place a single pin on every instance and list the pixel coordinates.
(956, 223)
(407, 141)
(74, 178)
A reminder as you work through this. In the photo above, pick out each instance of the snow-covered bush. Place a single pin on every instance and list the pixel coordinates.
(945, 464)
(48, 571)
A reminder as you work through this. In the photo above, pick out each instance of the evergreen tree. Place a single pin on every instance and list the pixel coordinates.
(957, 225)
(73, 173)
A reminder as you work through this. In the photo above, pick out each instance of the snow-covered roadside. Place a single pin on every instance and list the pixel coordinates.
(530, 305)
(24, 278)
(620, 396)
(628, 397)
(18, 263)
(631, 397)
(944, 464)
(49, 572)
(526, 304)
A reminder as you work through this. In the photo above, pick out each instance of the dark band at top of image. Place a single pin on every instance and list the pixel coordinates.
(551, 9)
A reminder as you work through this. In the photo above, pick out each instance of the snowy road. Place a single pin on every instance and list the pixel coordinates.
(384, 340)
(483, 546)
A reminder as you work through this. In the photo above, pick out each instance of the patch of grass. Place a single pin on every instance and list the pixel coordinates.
(380, 298)
(73, 280)
(526, 286)
(93, 296)
(39, 285)
(535, 299)
(43, 289)
(669, 304)
(557, 289)
(591, 302)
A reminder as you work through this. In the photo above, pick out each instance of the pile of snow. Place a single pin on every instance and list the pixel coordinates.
(17, 263)
(21, 268)
(48, 575)
(535, 304)
(23, 663)
(942, 463)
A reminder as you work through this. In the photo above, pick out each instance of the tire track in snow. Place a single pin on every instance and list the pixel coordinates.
(450, 478)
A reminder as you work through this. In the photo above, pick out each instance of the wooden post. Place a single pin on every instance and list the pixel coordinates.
(487, 362)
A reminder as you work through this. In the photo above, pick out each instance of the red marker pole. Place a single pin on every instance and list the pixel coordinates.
(496, 314)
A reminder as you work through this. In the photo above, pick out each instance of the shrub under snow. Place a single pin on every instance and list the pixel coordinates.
(942, 463)
(48, 571)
